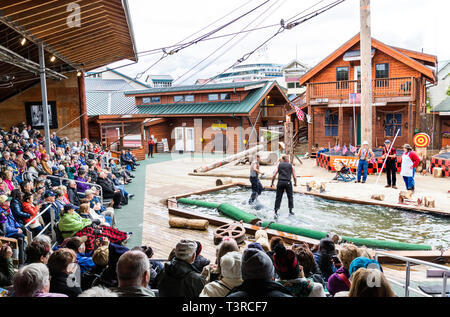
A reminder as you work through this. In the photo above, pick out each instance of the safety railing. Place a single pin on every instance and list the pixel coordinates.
(409, 261)
(51, 224)
(61, 179)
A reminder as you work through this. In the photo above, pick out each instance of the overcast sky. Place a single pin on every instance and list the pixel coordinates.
(411, 24)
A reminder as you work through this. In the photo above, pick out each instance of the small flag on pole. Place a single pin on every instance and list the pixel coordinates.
(344, 149)
(352, 149)
(300, 113)
(336, 148)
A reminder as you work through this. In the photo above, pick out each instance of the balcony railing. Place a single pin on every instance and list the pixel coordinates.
(386, 87)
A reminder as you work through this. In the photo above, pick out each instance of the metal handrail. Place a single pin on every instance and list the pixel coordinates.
(52, 222)
(77, 181)
(408, 261)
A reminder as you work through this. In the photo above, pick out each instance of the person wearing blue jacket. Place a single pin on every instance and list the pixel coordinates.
(16, 207)
(13, 228)
(84, 259)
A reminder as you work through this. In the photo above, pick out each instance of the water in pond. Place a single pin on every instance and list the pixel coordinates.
(355, 220)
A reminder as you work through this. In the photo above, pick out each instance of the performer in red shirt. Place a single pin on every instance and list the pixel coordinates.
(151, 145)
(391, 164)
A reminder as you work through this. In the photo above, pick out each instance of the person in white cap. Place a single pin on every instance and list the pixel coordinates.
(363, 163)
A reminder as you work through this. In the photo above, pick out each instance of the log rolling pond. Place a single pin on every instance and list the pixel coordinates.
(344, 219)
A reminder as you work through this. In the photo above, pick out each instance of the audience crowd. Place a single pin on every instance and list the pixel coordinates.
(89, 257)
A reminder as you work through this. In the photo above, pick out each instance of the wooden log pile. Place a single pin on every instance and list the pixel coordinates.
(312, 186)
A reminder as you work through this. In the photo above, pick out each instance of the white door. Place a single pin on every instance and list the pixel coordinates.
(190, 143)
(179, 139)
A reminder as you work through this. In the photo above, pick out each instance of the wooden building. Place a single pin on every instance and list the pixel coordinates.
(77, 36)
(399, 78)
(224, 117)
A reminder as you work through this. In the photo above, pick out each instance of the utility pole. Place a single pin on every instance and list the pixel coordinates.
(366, 72)
(44, 96)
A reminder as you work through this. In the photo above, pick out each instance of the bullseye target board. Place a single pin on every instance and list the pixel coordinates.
(421, 140)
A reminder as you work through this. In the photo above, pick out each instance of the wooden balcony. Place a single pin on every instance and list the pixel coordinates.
(275, 113)
(383, 90)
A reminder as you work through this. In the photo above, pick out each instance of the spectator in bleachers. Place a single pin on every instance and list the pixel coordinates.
(291, 274)
(12, 227)
(72, 224)
(6, 265)
(62, 264)
(38, 252)
(212, 272)
(133, 274)
(16, 207)
(29, 208)
(340, 280)
(33, 280)
(231, 277)
(200, 261)
(81, 177)
(72, 193)
(179, 278)
(258, 273)
(49, 199)
(109, 191)
(84, 260)
(98, 291)
(370, 283)
(324, 257)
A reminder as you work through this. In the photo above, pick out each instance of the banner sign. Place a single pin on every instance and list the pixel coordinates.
(351, 161)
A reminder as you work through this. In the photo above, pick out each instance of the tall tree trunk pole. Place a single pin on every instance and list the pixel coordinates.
(366, 73)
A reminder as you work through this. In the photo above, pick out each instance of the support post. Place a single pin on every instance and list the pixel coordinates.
(288, 138)
(341, 125)
(44, 96)
(83, 108)
(366, 72)
(310, 125)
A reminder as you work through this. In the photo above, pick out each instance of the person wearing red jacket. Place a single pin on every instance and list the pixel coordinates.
(151, 145)
(410, 160)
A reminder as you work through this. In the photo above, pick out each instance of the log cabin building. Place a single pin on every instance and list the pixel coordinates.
(224, 117)
(399, 78)
(103, 36)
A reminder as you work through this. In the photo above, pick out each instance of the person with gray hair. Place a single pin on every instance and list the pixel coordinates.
(98, 291)
(258, 274)
(33, 280)
(180, 278)
(133, 275)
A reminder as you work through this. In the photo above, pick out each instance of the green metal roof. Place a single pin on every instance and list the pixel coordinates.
(235, 107)
(444, 106)
(196, 87)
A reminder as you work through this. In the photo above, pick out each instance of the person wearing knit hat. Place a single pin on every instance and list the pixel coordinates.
(291, 274)
(200, 261)
(258, 273)
(180, 278)
(230, 265)
(365, 263)
(255, 245)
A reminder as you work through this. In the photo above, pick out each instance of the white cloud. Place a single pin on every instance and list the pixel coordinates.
(412, 24)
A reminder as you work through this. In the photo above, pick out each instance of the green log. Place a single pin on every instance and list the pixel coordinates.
(199, 203)
(236, 213)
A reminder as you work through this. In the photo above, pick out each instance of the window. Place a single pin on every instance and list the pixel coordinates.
(177, 98)
(342, 75)
(291, 85)
(213, 97)
(146, 100)
(225, 96)
(381, 71)
(189, 98)
(156, 99)
(393, 123)
(331, 125)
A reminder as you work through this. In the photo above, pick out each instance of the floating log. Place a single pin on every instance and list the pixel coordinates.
(377, 197)
(198, 224)
(229, 159)
(223, 181)
(429, 201)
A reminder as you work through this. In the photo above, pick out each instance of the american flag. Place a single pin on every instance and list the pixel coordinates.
(300, 114)
(344, 150)
(336, 148)
(352, 149)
